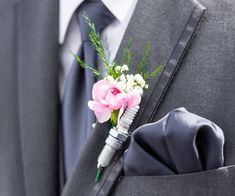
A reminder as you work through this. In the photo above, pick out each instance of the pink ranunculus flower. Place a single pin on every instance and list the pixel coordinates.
(108, 96)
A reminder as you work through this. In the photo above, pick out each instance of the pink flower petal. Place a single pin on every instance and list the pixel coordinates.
(99, 88)
(103, 116)
(102, 113)
(135, 100)
(117, 102)
(107, 96)
(96, 106)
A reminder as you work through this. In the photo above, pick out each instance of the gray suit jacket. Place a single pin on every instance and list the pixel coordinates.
(199, 44)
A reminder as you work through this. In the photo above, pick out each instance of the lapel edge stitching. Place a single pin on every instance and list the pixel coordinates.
(189, 29)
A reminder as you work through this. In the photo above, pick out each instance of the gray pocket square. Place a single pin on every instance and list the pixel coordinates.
(181, 142)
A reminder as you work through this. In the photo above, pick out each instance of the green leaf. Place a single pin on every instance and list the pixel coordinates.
(127, 58)
(96, 41)
(86, 66)
(127, 54)
(146, 75)
(143, 63)
(114, 117)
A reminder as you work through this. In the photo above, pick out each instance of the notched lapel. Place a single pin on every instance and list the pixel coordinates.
(169, 26)
(172, 65)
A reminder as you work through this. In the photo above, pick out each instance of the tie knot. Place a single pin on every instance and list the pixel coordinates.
(98, 14)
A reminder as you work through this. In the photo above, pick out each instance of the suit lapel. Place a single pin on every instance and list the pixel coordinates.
(161, 86)
(38, 94)
(169, 26)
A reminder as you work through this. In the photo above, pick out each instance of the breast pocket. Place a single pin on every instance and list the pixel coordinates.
(216, 182)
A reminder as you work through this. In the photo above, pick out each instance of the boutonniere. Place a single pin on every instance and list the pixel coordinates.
(116, 97)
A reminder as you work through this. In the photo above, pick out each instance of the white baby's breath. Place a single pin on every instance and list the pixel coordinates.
(110, 78)
(139, 79)
(122, 85)
(123, 78)
(130, 77)
(130, 80)
(118, 68)
(124, 68)
(139, 90)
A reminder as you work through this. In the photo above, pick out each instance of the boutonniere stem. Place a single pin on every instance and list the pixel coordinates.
(114, 142)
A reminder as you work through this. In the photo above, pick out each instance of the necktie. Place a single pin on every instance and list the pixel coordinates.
(77, 119)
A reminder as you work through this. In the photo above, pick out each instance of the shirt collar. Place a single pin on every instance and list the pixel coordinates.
(119, 9)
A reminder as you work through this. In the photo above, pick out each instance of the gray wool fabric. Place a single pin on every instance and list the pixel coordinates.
(30, 108)
(179, 143)
(77, 117)
(215, 182)
(203, 84)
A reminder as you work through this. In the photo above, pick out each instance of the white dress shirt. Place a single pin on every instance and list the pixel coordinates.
(70, 37)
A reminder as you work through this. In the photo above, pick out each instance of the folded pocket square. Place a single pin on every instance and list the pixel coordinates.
(181, 142)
